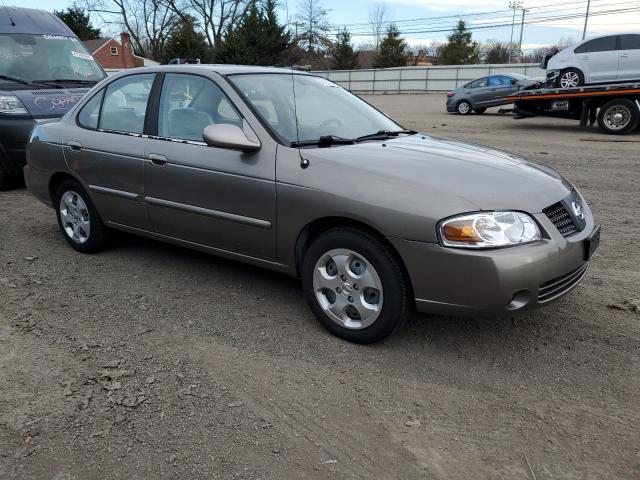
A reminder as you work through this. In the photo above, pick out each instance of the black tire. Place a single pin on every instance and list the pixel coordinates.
(622, 106)
(572, 73)
(98, 235)
(463, 107)
(479, 111)
(396, 297)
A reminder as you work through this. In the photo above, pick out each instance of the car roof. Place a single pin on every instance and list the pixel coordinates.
(31, 21)
(222, 69)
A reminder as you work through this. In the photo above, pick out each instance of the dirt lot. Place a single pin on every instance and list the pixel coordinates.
(151, 361)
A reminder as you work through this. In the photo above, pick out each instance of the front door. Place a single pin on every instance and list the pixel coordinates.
(629, 64)
(499, 87)
(106, 149)
(210, 196)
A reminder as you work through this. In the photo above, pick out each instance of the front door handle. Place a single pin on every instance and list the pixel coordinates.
(75, 146)
(157, 160)
(624, 55)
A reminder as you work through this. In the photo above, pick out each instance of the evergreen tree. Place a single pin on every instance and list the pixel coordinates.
(79, 22)
(344, 58)
(391, 52)
(460, 49)
(258, 39)
(185, 41)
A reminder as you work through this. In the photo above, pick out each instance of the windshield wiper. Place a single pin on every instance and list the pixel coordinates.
(70, 80)
(324, 141)
(28, 83)
(382, 134)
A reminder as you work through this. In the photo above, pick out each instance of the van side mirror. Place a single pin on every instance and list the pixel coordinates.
(224, 135)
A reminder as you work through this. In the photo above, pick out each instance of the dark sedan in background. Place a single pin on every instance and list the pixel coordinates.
(490, 91)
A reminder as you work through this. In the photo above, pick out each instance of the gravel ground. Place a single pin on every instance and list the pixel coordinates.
(150, 361)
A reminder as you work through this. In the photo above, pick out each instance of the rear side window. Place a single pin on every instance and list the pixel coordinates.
(478, 83)
(629, 42)
(88, 116)
(125, 104)
(603, 44)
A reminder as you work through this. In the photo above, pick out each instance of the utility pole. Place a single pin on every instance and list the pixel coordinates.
(586, 19)
(513, 5)
(521, 30)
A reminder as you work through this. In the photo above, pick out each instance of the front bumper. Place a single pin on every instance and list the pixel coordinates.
(454, 281)
(552, 75)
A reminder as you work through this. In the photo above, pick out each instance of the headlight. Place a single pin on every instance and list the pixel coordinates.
(488, 229)
(12, 104)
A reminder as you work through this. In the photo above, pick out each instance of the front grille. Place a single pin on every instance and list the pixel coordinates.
(556, 287)
(559, 216)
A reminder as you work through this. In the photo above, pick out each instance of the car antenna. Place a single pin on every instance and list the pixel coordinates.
(304, 163)
(13, 24)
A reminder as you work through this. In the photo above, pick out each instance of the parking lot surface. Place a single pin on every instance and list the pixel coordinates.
(151, 361)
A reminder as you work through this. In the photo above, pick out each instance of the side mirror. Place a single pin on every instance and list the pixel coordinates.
(224, 135)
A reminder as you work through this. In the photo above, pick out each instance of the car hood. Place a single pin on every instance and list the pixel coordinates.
(47, 103)
(469, 176)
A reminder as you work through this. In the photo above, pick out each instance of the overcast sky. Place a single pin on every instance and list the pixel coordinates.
(419, 31)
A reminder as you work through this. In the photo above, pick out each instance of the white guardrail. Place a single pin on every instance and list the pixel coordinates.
(422, 79)
(417, 79)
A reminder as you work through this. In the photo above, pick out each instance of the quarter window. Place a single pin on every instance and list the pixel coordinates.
(629, 42)
(189, 103)
(88, 116)
(603, 44)
(125, 104)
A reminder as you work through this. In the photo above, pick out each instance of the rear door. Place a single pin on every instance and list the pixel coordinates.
(106, 149)
(629, 57)
(216, 197)
(598, 59)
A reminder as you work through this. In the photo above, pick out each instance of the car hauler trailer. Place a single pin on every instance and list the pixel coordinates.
(616, 107)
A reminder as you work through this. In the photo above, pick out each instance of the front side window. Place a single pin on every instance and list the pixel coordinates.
(305, 107)
(188, 103)
(125, 104)
(88, 116)
(499, 81)
(603, 44)
(46, 57)
(630, 42)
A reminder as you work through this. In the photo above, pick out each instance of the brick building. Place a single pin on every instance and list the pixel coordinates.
(114, 53)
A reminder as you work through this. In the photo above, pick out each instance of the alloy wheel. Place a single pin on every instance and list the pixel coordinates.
(74, 216)
(569, 80)
(348, 288)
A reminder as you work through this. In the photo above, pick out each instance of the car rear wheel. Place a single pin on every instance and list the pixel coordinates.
(355, 285)
(479, 110)
(78, 218)
(618, 116)
(463, 107)
(569, 78)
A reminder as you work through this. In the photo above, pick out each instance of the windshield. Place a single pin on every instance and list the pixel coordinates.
(46, 58)
(322, 108)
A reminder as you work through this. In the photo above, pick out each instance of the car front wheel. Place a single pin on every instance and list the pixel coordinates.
(78, 218)
(355, 285)
(463, 107)
(570, 78)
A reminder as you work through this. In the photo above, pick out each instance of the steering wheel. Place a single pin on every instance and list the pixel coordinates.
(65, 72)
(329, 121)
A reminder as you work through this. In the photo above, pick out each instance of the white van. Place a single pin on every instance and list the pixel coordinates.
(609, 58)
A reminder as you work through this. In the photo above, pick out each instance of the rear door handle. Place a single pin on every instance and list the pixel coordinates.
(624, 55)
(75, 146)
(157, 160)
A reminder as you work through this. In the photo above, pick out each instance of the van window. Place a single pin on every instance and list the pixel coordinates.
(602, 44)
(630, 42)
(88, 116)
(125, 103)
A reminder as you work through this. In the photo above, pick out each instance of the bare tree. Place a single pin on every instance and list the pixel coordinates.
(379, 18)
(312, 27)
(214, 16)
